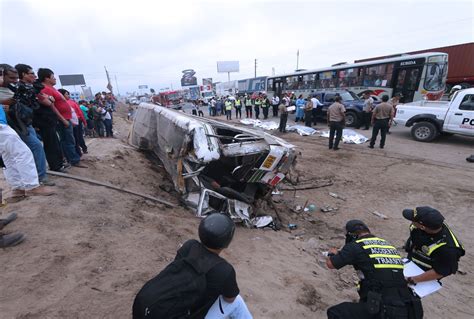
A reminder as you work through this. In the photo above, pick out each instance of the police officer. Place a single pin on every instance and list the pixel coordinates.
(431, 245)
(383, 291)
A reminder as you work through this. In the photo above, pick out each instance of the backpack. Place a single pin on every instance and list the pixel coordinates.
(175, 291)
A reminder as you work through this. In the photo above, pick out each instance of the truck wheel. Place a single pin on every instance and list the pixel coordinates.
(351, 119)
(424, 132)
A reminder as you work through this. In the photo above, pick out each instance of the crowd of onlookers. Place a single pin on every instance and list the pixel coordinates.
(40, 127)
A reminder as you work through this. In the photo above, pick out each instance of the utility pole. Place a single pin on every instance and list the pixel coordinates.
(255, 68)
(116, 84)
(297, 59)
(273, 71)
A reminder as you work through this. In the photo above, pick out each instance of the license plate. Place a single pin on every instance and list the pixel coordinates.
(269, 161)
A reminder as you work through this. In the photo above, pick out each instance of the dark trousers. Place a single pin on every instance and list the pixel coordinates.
(68, 143)
(314, 115)
(283, 119)
(366, 118)
(335, 127)
(350, 310)
(308, 117)
(382, 126)
(265, 112)
(200, 113)
(248, 111)
(238, 112)
(275, 110)
(257, 111)
(52, 148)
(228, 114)
(108, 128)
(81, 146)
(99, 127)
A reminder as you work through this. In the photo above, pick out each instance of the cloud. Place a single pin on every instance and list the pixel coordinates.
(150, 42)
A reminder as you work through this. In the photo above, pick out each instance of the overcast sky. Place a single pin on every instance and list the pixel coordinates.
(151, 42)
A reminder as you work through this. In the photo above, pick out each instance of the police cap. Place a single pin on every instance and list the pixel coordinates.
(425, 215)
(355, 225)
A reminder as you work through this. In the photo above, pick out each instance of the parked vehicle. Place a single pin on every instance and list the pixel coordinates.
(429, 119)
(460, 65)
(351, 101)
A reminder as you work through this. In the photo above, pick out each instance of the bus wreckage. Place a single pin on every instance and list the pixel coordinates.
(214, 165)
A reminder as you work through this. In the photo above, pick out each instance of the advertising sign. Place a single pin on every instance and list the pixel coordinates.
(227, 66)
(72, 79)
(188, 78)
(207, 81)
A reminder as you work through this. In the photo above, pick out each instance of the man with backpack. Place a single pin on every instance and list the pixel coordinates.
(198, 283)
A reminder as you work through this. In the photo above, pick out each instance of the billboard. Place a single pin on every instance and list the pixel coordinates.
(207, 81)
(227, 66)
(143, 87)
(188, 78)
(72, 79)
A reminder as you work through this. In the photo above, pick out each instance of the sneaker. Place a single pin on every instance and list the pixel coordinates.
(4, 222)
(336, 148)
(40, 191)
(11, 240)
(371, 146)
(47, 182)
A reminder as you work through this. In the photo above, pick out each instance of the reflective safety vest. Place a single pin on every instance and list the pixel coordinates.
(381, 253)
(258, 102)
(422, 256)
(228, 105)
(248, 102)
(237, 103)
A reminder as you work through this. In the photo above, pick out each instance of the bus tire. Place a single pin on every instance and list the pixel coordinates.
(424, 132)
(352, 119)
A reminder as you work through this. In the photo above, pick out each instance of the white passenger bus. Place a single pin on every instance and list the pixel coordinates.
(415, 76)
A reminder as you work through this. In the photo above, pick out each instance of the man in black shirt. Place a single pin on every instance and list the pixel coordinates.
(218, 295)
(431, 245)
(383, 291)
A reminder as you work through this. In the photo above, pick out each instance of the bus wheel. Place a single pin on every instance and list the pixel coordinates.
(424, 132)
(351, 119)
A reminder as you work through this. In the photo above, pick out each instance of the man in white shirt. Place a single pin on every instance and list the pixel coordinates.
(316, 103)
(275, 103)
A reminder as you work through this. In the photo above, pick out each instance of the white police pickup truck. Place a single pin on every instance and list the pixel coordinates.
(429, 119)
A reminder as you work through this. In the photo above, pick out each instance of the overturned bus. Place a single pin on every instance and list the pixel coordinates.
(213, 165)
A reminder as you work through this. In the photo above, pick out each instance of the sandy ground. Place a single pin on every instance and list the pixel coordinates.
(89, 248)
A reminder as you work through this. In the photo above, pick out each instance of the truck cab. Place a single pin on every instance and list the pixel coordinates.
(350, 100)
(430, 119)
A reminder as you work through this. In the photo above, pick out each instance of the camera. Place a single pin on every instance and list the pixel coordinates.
(25, 93)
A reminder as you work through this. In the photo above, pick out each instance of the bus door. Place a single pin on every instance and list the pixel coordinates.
(406, 78)
(278, 86)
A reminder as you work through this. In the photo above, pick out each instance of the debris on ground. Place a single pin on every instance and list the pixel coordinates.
(376, 213)
(349, 136)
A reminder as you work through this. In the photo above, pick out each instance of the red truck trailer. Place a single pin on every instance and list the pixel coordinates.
(460, 63)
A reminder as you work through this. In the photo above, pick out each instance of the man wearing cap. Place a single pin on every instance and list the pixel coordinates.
(431, 245)
(383, 291)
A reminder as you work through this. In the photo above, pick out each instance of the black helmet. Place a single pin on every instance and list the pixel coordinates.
(216, 231)
(355, 225)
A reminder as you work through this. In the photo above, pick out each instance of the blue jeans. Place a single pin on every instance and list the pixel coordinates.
(36, 147)
(68, 143)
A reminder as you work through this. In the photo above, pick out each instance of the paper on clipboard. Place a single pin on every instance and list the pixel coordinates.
(291, 108)
(422, 289)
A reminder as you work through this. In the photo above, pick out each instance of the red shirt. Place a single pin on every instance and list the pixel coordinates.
(60, 102)
(78, 111)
